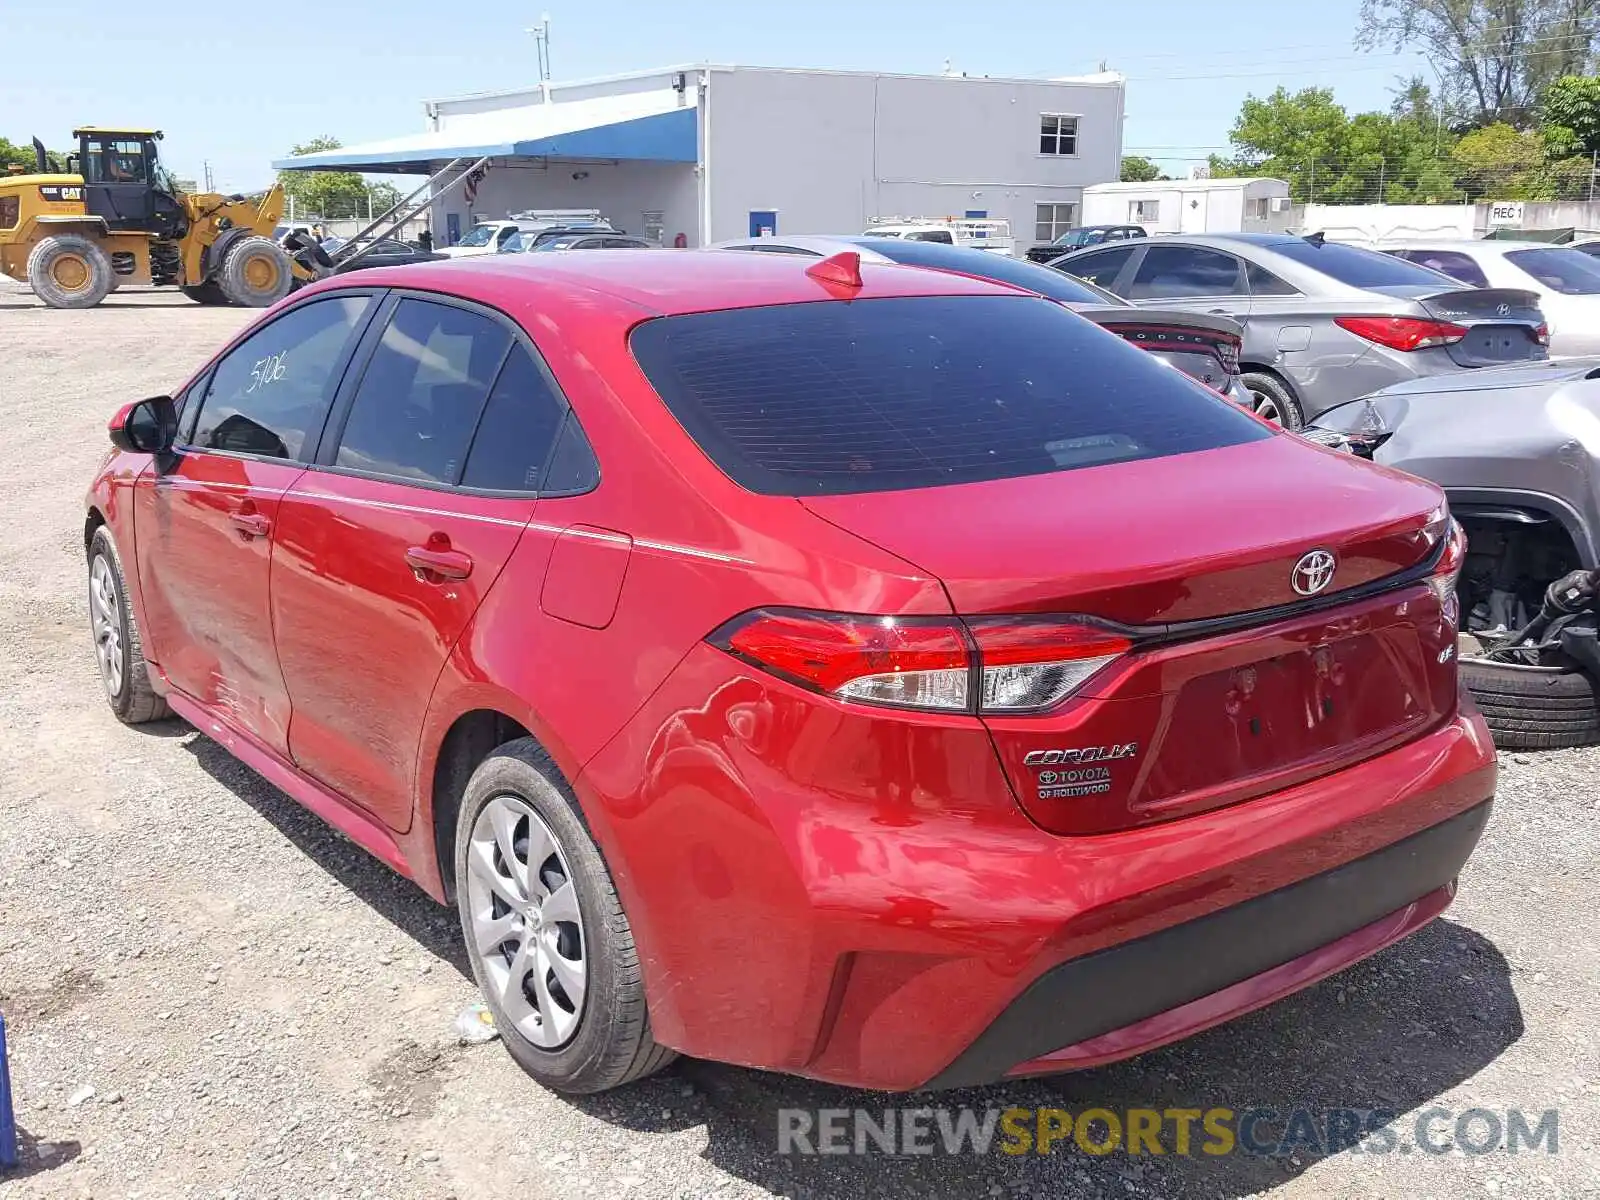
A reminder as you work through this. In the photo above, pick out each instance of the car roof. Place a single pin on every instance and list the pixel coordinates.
(1481, 245)
(683, 281)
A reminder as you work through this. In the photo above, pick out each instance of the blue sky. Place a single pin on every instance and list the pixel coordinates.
(240, 96)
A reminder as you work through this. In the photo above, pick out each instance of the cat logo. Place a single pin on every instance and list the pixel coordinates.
(58, 194)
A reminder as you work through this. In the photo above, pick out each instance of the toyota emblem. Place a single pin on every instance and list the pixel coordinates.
(1504, 310)
(1313, 572)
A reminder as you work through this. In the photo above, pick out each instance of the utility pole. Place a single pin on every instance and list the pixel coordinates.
(541, 41)
(1380, 179)
(1594, 166)
(207, 166)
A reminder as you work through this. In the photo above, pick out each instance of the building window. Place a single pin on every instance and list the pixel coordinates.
(1052, 220)
(1256, 209)
(1140, 211)
(1058, 134)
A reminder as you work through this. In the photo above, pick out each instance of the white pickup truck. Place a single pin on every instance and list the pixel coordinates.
(980, 233)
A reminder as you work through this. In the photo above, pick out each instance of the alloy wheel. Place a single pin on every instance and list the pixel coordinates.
(1266, 407)
(527, 930)
(105, 616)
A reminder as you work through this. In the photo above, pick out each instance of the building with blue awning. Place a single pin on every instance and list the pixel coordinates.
(715, 152)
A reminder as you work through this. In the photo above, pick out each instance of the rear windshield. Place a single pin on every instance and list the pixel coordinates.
(987, 265)
(1559, 269)
(832, 398)
(1361, 268)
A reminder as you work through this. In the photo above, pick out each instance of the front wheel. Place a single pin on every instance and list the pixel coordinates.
(204, 293)
(255, 272)
(550, 945)
(118, 647)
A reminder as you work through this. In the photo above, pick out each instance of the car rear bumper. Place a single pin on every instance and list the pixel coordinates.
(1141, 994)
(800, 907)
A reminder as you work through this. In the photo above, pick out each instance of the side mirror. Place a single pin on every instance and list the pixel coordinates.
(146, 426)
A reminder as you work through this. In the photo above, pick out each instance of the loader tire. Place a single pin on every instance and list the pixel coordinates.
(1534, 708)
(205, 293)
(255, 272)
(69, 271)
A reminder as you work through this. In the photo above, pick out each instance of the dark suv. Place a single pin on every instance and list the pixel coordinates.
(1077, 239)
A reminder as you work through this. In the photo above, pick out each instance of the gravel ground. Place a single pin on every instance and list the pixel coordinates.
(261, 1010)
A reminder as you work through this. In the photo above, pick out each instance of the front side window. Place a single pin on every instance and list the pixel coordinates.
(1058, 134)
(1178, 271)
(880, 395)
(420, 396)
(1052, 223)
(1102, 267)
(1559, 269)
(271, 394)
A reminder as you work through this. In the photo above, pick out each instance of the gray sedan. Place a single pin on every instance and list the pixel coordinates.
(1323, 323)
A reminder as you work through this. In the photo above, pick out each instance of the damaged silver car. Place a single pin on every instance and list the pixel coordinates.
(1517, 451)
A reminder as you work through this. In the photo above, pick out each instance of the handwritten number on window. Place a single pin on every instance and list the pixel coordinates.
(268, 370)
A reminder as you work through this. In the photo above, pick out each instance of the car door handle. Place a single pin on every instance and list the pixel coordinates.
(251, 524)
(447, 564)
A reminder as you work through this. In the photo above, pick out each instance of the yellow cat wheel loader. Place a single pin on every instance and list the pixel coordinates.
(113, 215)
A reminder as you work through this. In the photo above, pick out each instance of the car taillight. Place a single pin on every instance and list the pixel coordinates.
(1541, 334)
(1442, 526)
(1228, 352)
(937, 664)
(1403, 333)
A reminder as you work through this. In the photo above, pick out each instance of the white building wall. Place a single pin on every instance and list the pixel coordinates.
(832, 151)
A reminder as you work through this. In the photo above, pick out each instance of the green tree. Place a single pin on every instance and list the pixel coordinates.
(333, 194)
(1495, 57)
(1570, 116)
(1500, 162)
(1136, 168)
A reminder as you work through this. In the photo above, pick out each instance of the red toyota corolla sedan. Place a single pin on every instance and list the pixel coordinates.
(856, 671)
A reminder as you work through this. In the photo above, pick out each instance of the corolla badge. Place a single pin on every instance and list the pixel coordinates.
(1313, 572)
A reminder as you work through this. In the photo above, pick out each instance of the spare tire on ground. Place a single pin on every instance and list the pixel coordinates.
(1534, 708)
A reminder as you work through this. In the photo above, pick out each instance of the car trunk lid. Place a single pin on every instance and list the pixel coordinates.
(1503, 324)
(1238, 682)
(1202, 346)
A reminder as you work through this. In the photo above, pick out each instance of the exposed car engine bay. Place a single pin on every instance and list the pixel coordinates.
(1524, 596)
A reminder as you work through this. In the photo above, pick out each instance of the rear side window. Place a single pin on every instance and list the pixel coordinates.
(1178, 271)
(1559, 269)
(1264, 283)
(1357, 267)
(270, 395)
(830, 398)
(517, 430)
(419, 399)
(1452, 263)
(1102, 267)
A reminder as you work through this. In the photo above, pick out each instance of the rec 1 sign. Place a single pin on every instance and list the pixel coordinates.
(1507, 212)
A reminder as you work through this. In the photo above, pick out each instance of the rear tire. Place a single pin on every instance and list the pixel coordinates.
(1272, 400)
(119, 649)
(205, 293)
(69, 271)
(255, 272)
(550, 896)
(1534, 708)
